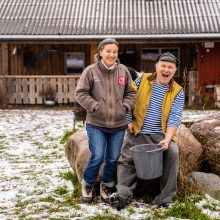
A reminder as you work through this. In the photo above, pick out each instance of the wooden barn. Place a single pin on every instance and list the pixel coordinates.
(49, 43)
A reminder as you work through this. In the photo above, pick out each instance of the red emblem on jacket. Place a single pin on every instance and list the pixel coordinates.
(121, 80)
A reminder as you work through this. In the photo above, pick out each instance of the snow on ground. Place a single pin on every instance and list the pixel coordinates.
(197, 115)
(32, 161)
(31, 156)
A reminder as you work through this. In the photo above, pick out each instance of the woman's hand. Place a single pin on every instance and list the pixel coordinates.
(130, 128)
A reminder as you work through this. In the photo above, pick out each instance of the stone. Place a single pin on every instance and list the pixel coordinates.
(208, 183)
(77, 153)
(190, 149)
(207, 132)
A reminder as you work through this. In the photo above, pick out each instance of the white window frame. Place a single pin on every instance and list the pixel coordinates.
(76, 59)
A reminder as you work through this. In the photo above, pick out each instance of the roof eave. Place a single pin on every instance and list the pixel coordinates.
(119, 37)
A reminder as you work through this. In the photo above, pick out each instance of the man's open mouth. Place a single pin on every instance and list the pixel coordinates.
(165, 75)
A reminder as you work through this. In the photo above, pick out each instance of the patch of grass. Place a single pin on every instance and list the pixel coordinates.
(2, 142)
(211, 206)
(18, 210)
(22, 204)
(45, 158)
(59, 156)
(21, 138)
(49, 172)
(38, 192)
(77, 206)
(77, 191)
(54, 209)
(131, 210)
(61, 190)
(34, 211)
(2, 136)
(38, 144)
(50, 138)
(3, 146)
(23, 216)
(46, 133)
(54, 146)
(48, 199)
(195, 197)
(55, 218)
(183, 208)
(66, 136)
(147, 198)
(107, 216)
(54, 153)
(70, 176)
(71, 202)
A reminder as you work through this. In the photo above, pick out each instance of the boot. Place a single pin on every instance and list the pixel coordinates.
(86, 196)
(105, 192)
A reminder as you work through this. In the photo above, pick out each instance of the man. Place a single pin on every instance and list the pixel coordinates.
(156, 116)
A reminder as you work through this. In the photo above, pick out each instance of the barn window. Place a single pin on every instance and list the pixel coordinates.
(74, 62)
(149, 55)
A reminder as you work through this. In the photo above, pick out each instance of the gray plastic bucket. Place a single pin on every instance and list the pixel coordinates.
(148, 160)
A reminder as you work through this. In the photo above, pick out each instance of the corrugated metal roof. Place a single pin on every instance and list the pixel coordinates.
(119, 18)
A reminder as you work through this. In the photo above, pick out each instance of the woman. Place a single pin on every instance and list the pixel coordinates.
(106, 90)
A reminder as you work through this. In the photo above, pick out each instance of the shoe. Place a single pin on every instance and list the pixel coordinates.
(86, 196)
(118, 201)
(105, 192)
(166, 205)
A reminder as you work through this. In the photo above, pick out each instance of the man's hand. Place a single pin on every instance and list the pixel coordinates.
(165, 144)
(130, 128)
(168, 137)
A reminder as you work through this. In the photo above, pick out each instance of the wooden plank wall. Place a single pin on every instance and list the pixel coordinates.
(0, 59)
(5, 58)
(36, 59)
(26, 89)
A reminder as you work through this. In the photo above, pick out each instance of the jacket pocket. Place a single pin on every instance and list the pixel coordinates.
(120, 112)
(100, 110)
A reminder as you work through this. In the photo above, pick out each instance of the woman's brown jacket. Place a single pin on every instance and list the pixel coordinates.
(106, 95)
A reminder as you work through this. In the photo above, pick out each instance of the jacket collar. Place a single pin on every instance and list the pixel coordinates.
(104, 68)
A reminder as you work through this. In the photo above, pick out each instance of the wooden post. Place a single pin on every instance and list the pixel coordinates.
(93, 48)
(193, 86)
(0, 59)
(217, 95)
(5, 59)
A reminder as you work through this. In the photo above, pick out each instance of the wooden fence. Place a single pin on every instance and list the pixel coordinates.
(27, 89)
(217, 95)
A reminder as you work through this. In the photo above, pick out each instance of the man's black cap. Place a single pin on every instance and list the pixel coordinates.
(168, 57)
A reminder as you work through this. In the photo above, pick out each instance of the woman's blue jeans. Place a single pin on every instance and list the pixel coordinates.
(103, 147)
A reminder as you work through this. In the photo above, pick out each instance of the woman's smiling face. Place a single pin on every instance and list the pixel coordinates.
(165, 71)
(109, 54)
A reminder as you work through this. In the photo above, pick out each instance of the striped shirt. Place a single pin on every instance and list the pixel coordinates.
(152, 120)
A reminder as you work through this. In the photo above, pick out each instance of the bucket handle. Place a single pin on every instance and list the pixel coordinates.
(154, 150)
(148, 150)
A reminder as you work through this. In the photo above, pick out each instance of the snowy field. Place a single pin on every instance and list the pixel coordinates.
(32, 162)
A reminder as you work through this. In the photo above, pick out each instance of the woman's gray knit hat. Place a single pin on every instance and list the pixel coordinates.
(106, 41)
